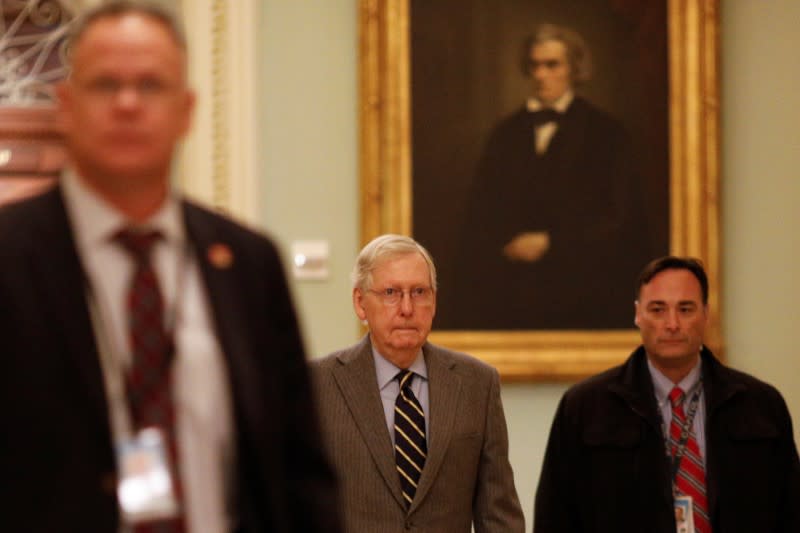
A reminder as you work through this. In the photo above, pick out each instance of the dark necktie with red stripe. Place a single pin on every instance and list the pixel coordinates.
(148, 381)
(410, 448)
(690, 479)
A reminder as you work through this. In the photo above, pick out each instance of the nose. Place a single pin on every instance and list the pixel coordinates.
(672, 322)
(406, 305)
(127, 97)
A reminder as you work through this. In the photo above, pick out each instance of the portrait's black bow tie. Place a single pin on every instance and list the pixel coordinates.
(544, 116)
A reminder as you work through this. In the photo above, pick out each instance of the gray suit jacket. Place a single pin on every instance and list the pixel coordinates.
(467, 478)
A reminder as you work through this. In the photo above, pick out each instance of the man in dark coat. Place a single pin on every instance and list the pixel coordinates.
(608, 465)
(220, 353)
(556, 200)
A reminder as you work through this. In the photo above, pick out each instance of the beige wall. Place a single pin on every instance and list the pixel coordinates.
(308, 164)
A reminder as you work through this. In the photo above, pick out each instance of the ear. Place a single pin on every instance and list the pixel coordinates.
(636, 313)
(358, 304)
(190, 99)
(64, 100)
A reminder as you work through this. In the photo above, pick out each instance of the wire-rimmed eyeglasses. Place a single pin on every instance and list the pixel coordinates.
(391, 296)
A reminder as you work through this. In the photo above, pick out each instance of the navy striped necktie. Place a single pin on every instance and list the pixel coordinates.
(410, 448)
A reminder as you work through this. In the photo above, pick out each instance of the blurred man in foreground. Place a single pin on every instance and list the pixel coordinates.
(152, 375)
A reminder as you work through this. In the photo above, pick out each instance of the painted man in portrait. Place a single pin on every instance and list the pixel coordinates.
(554, 222)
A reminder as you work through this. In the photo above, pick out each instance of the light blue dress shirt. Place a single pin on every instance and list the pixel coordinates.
(663, 385)
(389, 387)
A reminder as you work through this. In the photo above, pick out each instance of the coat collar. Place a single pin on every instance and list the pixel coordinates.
(635, 386)
(719, 383)
(444, 388)
(222, 276)
(355, 376)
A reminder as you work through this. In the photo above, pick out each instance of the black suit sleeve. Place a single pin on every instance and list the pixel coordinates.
(311, 488)
(788, 512)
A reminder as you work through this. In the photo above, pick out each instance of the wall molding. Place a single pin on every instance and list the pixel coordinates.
(217, 165)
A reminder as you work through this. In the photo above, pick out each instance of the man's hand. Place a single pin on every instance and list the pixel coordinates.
(528, 247)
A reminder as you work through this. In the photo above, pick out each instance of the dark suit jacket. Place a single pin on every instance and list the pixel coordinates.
(606, 467)
(585, 191)
(57, 468)
(467, 476)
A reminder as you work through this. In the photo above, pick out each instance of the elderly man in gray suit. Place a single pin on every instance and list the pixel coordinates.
(416, 432)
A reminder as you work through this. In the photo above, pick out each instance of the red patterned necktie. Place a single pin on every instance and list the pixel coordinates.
(690, 479)
(148, 381)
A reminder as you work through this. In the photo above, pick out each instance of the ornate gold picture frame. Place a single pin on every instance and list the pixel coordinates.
(386, 180)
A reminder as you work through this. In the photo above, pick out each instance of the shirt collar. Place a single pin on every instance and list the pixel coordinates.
(387, 371)
(95, 220)
(663, 385)
(560, 105)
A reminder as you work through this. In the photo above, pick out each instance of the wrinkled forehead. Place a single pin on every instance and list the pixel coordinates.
(401, 265)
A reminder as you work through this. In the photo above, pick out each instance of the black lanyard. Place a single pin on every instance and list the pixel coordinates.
(172, 319)
(686, 428)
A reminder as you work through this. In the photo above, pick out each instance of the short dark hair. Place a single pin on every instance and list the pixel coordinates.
(578, 55)
(671, 262)
(118, 8)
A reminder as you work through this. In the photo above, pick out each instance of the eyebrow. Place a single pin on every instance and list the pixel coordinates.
(664, 302)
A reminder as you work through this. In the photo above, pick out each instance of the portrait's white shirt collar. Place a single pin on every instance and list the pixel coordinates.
(561, 105)
(95, 221)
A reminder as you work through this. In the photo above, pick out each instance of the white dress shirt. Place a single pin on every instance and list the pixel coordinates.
(204, 422)
(544, 133)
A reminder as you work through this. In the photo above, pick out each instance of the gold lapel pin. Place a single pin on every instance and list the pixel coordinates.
(220, 255)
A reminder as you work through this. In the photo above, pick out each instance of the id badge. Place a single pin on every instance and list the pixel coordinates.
(684, 514)
(146, 490)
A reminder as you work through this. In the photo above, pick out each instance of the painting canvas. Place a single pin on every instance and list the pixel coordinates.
(596, 195)
(541, 207)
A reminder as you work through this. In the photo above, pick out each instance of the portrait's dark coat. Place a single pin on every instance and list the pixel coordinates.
(585, 192)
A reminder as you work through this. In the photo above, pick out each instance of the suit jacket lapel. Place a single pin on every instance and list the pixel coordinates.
(223, 298)
(444, 388)
(568, 135)
(358, 384)
(57, 266)
(226, 305)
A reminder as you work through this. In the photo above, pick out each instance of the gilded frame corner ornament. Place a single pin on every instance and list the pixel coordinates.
(386, 169)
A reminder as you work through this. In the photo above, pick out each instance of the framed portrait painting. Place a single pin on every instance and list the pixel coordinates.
(543, 152)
